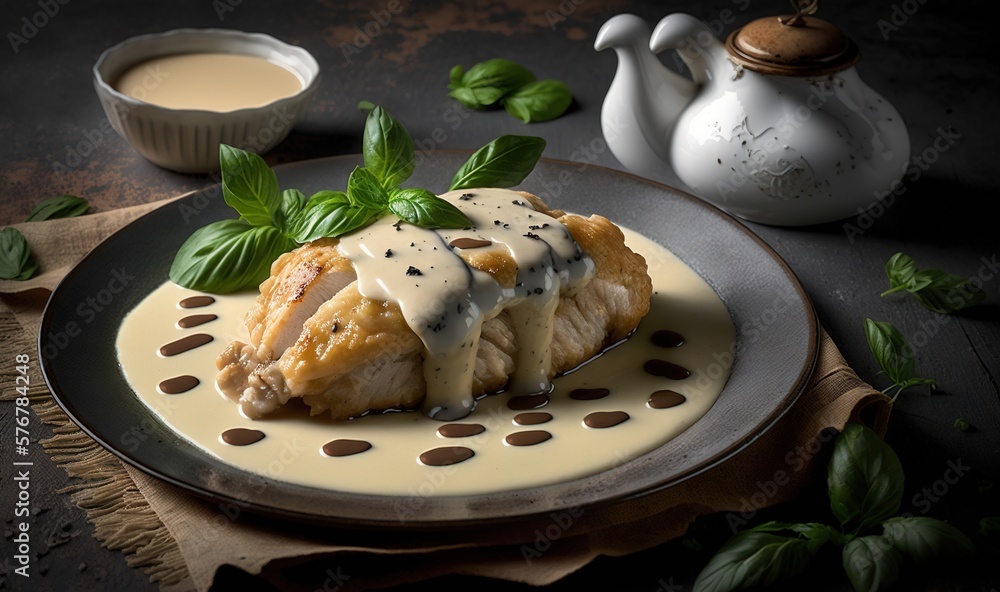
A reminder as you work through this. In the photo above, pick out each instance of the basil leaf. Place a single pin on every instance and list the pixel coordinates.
(16, 262)
(292, 203)
(249, 186)
(864, 479)
(926, 539)
(500, 75)
(329, 214)
(387, 147)
(60, 206)
(893, 354)
(466, 97)
(228, 256)
(455, 77)
(364, 190)
(989, 525)
(899, 269)
(944, 293)
(753, 559)
(936, 290)
(871, 563)
(504, 162)
(539, 101)
(818, 534)
(422, 208)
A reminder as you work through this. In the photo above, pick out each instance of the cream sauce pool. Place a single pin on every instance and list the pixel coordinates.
(208, 81)
(628, 401)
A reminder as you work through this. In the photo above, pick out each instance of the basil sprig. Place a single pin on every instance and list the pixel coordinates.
(865, 487)
(231, 255)
(60, 206)
(936, 290)
(504, 162)
(16, 261)
(502, 82)
(894, 356)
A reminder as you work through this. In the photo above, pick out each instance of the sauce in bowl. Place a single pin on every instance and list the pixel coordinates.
(208, 81)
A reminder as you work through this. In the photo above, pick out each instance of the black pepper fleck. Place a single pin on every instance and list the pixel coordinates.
(388, 253)
(413, 271)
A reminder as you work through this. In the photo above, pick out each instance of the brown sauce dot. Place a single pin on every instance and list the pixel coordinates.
(589, 394)
(446, 455)
(666, 399)
(527, 438)
(345, 447)
(666, 369)
(532, 418)
(242, 436)
(469, 243)
(666, 338)
(525, 402)
(461, 430)
(187, 343)
(196, 302)
(605, 419)
(195, 320)
(178, 384)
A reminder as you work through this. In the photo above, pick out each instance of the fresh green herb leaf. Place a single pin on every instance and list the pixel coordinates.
(864, 479)
(754, 558)
(504, 162)
(330, 214)
(466, 97)
(936, 290)
(455, 77)
(962, 424)
(871, 562)
(488, 82)
(16, 262)
(60, 206)
(422, 208)
(989, 525)
(387, 147)
(539, 101)
(894, 356)
(249, 186)
(293, 202)
(228, 256)
(364, 190)
(926, 539)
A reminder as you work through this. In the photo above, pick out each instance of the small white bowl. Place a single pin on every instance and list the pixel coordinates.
(187, 140)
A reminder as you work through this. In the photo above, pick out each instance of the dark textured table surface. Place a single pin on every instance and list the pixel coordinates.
(932, 60)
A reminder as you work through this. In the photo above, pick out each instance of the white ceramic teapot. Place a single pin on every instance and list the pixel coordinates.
(775, 126)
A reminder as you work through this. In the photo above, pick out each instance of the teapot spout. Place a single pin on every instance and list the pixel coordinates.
(704, 55)
(644, 100)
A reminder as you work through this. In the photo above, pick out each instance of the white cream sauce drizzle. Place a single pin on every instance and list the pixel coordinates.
(446, 302)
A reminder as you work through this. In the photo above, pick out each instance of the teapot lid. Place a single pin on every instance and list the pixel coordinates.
(792, 45)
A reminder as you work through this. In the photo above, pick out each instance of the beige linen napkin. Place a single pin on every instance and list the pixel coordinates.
(181, 541)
